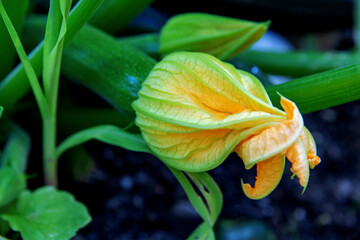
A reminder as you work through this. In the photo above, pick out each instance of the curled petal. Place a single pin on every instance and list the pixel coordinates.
(310, 147)
(269, 173)
(296, 154)
(273, 140)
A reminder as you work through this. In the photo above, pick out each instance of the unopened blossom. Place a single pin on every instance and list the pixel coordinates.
(194, 110)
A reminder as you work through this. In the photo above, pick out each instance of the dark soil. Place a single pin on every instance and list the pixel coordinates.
(134, 196)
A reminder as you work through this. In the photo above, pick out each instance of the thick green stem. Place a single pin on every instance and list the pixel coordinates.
(49, 151)
(320, 91)
(297, 63)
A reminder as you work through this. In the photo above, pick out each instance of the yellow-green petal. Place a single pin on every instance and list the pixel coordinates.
(219, 36)
(269, 173)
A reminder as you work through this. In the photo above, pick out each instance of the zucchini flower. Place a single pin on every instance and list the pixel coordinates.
(194, 110)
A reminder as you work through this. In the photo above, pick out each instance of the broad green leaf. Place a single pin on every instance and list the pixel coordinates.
(108, 134)
(16, 151)
(3, 238)
(219, 36)
(16, 10)
(47, 214)
(12, 183)
(1, 110)
(113, 15)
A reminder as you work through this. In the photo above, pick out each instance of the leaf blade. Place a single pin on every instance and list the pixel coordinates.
(47, 214)
(11, 185)
(108, 134)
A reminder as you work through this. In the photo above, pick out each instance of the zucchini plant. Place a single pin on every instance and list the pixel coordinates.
(190, 106)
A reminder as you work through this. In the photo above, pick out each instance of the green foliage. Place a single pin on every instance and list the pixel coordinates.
(110, 11)
(11, 185)
(319, 91)
(16, 150)
(208, 204)
(297, 63)
(16, 85)
(108, 134)
(46, 214)
(16, 10)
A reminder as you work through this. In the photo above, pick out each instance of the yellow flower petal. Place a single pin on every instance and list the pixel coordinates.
(296, 154)
(273, 140)
(197, 150)
(310, 147)
(269, 173)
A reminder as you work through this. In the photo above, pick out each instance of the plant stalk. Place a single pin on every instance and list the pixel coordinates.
(49, 151)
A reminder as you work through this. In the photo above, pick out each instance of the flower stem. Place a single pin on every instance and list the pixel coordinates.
(49, 151)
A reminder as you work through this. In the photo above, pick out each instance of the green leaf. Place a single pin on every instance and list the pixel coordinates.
(17, 10)
(1, 110)
(210, 191)
(208, 205)
(16, 151)
(202, 232)
(12, 183)
(114, 15)
(56, 28)
(108, 134)
(219, 36)
(47, 214)
(28, 68)
(16, 85)
(195, 200)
